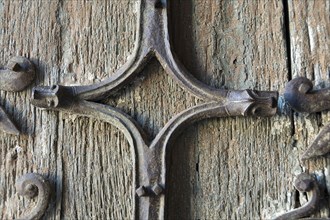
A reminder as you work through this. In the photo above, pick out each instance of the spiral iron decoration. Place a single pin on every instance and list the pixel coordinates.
(34, 185)
(301, 97)
(304, 183)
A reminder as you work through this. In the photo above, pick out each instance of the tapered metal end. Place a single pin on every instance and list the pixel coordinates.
(6, 125)
(320, 146)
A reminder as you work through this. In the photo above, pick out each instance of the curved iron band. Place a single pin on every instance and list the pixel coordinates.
(152, 41)
(300, 96)
(128, 126)
(249, 104)
(31, 185)
(132, 131)
(304, 183)
(150, 161)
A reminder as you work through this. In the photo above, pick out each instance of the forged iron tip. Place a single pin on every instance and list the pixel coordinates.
(320, 146)
(6, 125)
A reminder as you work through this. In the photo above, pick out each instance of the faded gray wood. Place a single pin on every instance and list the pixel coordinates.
(218, 169)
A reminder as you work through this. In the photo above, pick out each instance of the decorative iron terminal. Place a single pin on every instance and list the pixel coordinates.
(150, 168)
(31, 185)
(321, 144)
(300, 96)
(16, 76)
(304, 183)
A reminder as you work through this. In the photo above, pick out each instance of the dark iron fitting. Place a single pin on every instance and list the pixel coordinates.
(300, 96)
(34, 185)
(321, 144)
(304, 183)
(17, 75)
(150, 168)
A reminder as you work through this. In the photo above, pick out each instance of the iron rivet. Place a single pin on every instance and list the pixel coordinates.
(157, 189)
(141, 191)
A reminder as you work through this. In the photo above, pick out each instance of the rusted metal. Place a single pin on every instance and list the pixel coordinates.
(150, 168)
(304, 183)
(300, 96)
(321, 144)
(16, 76)
(34, 185)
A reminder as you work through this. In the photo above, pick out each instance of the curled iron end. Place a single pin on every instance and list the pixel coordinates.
(31, 185)
(6, 123)
(304, 183)
(18, 74)
(300, 96)
(320, 146)
(51, 97)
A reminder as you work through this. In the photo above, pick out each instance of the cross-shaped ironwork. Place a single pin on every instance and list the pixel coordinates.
(149, 157)
(150, 168)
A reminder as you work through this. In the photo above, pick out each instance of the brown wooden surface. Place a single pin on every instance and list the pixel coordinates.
(310, 44)
(220, 168)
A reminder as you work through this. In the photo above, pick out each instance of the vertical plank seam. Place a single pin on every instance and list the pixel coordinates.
(287, 35)
(286, 29)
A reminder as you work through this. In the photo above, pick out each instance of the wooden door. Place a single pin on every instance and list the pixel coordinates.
(225, 168)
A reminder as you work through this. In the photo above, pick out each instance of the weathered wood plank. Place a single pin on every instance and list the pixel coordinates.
(232, 168)
(222, 168)
(310, 44)
(88, 162)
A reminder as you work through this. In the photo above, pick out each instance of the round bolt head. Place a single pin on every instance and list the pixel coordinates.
(304, 182)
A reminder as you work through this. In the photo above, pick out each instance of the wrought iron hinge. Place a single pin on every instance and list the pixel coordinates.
(153, 41)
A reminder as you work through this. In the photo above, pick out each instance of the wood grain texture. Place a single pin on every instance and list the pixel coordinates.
(236, 168)
(310, 44)
(88, 162)
(232, 168)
